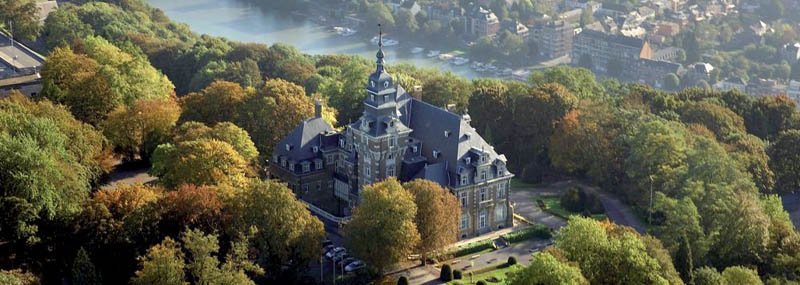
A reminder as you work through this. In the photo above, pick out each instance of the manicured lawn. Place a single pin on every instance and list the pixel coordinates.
(517, 183)
(498, 271)
(554, 206)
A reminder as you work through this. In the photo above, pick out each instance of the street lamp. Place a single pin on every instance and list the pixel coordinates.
(650, 212)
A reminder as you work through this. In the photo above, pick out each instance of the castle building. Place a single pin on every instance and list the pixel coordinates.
(398, 136)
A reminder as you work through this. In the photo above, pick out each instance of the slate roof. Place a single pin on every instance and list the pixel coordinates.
(303, 139)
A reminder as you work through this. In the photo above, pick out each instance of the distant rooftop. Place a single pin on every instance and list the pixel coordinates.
(18, 57)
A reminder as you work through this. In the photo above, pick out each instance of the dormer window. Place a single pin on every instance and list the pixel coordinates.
(386, 84)
(315, 149)
(414, 149)
(447, 134)
(372, 83)
(341, 142)
(306, 167)
(288, 147)
(483, 158)
(372, 97)
(467, 160)
(318, 164)
(464, 179)
(435, 153)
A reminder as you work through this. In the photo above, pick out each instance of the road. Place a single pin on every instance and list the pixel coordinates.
(525, 205)
(128, 173)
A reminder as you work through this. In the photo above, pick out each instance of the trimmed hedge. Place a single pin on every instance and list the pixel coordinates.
(473, 248)
(447, 274)
(537, 231)
(457, 274)
(512, 260)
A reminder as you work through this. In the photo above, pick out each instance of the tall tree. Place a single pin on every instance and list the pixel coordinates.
(22, 16)
(138, 130)
(83, 271)
(163, 265)
(382, 230)
(286, 235)
(784, 156)
(219, 102)
(580, 81)
(547, 270)
(199, 162)
(437, 218)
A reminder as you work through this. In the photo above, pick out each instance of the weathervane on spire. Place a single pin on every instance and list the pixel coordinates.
(380, 36)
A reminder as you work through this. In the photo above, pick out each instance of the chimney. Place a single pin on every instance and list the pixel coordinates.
(317, 108)
(417, 92)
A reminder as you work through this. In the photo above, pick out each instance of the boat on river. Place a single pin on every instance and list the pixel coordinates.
(417, 50)
(433, 53)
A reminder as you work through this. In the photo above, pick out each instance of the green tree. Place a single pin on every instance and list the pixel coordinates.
(62, 26)
(378, 13)
(718, 119)
(783, 160)
(671, 82)
(579, 81)
(83, 271)
(616, 255)
(138, 130)
(535, 116)
(707, 276)
(547, 270)
(225, 131)
(448, 88)
(437, 217)
(406, 21)
(198, 162)
(23, 15)
(163, 265)
(741, 275)
(286, 237)
(382, 230)
(218, 102)
(205, 268)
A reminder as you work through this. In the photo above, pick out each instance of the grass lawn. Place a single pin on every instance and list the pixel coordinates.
(517, 183)
(500, 272)
(554, 206)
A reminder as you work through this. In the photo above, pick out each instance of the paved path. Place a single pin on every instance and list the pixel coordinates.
(615, 209)
(525, 205)
(126, 174)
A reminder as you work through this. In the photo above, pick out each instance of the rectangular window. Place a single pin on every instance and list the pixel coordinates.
(501, 191)
(482, 220)
(329, 159)
(318, 164)
(464, 179)
(390, 170)
(366, 170)
(464, 221)
(499, 214)
(483, 175)
(484, 194)
(464, 196)
(306, 167)
(392, 142)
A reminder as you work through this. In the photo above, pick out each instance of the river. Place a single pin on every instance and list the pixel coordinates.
(242, 22)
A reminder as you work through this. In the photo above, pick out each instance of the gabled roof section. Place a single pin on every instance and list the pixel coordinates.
(303, 139)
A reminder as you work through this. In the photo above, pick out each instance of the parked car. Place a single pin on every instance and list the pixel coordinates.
(340, 257)
(328, 248)
(355, 265)
(347, 260)
(335, 251)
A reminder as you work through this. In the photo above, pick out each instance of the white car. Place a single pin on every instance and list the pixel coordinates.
(355, 265)
(334, 252)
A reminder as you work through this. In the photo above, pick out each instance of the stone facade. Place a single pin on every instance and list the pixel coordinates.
(398, 136)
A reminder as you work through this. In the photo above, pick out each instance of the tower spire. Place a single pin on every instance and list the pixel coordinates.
(380, 54)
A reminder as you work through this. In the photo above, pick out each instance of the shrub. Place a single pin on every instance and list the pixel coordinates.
(447, 274)
(573, 200)
(512, 260)
(537, 231)
(457, 274)
(595, 205)
(473, 248)
(402, 281)
(480, 282)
